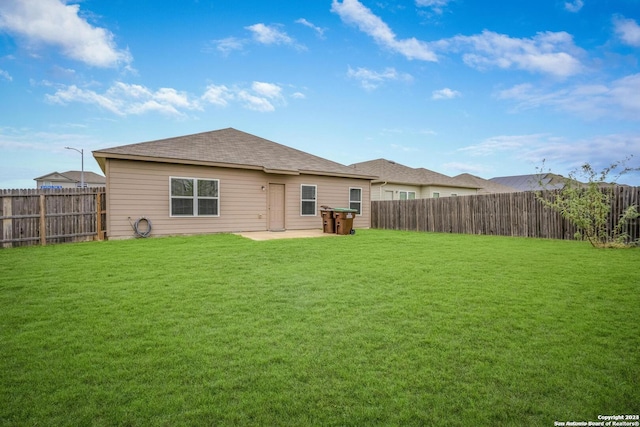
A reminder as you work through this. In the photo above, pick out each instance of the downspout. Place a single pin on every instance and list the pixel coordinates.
(385, 183)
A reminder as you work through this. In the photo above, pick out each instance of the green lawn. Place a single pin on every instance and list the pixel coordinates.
(379, 328)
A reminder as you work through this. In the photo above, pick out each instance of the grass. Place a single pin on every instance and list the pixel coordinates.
(379, 328)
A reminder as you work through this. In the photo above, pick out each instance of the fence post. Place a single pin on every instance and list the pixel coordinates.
(100, 233)
(7, 222)
(43, 221)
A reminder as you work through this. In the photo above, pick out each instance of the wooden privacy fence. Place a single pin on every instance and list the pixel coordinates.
(32, 217)
(505, 214)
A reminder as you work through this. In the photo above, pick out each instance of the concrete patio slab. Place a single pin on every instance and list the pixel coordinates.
(287, 234)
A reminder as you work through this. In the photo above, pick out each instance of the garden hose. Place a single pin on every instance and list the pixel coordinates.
(136, 227)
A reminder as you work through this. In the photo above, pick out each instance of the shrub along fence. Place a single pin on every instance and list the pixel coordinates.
(38, 217)
(506, 214)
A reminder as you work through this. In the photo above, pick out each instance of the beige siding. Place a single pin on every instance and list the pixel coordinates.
(141, 189)
(331, 191)
(378, 190)
(427, 192)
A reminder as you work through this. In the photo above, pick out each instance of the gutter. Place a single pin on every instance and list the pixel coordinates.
(101, 157)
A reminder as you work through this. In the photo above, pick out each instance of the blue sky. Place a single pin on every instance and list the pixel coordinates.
(488, 88)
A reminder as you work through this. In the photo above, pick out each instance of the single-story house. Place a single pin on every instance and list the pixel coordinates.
(69, 179)
(485, 186)
(400, 182)
(225, 181)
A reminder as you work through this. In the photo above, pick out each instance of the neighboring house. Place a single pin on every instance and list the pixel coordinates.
(534, 182)
(70, 179)
(225, 181)
(399, 182)
(485, 186)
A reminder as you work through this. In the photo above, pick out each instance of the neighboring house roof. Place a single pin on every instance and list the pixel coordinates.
(72, 176)
(485, 186)
(229, 148)
(389, 171)
(534, 182)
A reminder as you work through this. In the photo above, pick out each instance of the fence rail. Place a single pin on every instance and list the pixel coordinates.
(506, 214)
(42, 216)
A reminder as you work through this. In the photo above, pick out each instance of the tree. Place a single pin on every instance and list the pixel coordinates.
(585, 200)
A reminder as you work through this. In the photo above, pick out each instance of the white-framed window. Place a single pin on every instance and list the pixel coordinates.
(454, 194)
(436, 194)
(308, 197)
(407, 195)
(194, 197)
(355, 199)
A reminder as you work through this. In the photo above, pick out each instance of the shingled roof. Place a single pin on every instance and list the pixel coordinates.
(485, 186)
(73, 176)
(390, 171)
(229, 148)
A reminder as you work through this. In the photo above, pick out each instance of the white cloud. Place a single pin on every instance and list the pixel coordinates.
(552, 53)
(370, 79)
(432, 3)
(628, 30)
(574, 6)
(5, 75)
(268, 90)
(125, 90)
(601, 150)
(173, 97)
(52, 22)
(589, 101)
(298, 95)
(355, 13)
(218, 95)
(560, 154)
(16, 139)
(445, 93)
(495, 144)
(74, 94)
(435, 5)
(153, 105)
(261, 34)
(262, 97)
(228, 45)
(127, 99)
(272, 35)
(619, 95)
(546, 52)
(256, 103)
(45, 151)
(269, 34)
(319, 31)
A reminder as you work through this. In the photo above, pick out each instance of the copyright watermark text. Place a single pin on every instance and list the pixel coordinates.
(624, 420)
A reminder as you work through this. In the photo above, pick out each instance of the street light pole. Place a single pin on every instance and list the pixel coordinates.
(81, 151)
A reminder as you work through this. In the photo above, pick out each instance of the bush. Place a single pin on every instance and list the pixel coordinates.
(588, 205)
